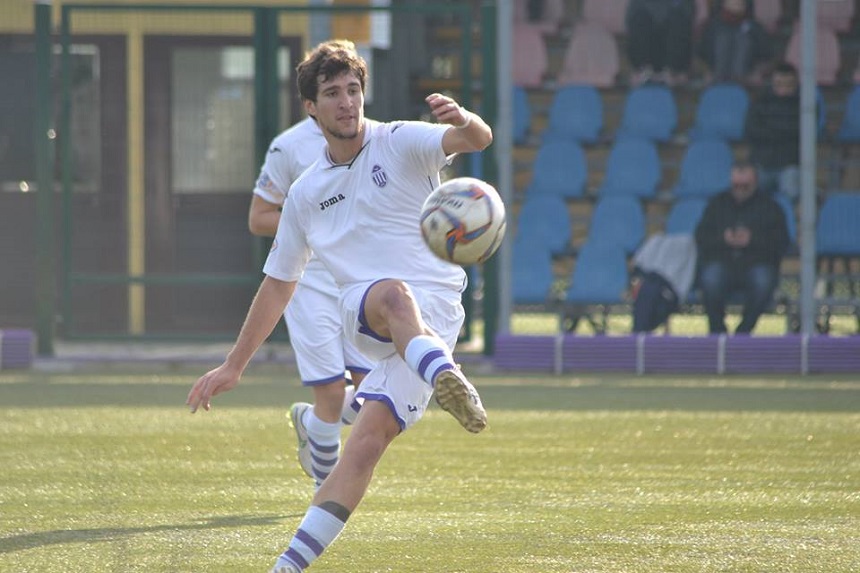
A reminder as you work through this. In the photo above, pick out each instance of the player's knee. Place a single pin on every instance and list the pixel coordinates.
(396, 299)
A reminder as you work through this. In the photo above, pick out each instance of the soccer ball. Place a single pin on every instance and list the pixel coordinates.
(463, 221)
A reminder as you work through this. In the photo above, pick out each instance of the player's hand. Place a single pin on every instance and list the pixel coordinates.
(446, 110)
(211, 384)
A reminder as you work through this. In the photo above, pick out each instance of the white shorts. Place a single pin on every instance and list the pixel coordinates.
(322, 352)
(391, 381)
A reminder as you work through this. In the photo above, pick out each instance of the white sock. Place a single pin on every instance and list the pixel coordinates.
(428, 355)
(324, 441)
(317, 531)
(351, 406)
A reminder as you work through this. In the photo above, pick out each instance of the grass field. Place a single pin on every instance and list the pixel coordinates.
(107, 471)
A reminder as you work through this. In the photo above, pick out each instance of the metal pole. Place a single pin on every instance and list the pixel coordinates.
(503, 143)
(808, 136)
(45, 255)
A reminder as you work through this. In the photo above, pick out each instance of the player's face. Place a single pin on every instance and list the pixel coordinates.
(339, 108)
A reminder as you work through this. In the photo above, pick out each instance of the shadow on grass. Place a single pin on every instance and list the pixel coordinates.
(533, 393)
(61, 536)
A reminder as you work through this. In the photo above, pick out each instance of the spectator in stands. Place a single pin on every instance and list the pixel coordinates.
(741, 239)
(734, 45)
(773, 133)
(660, 39)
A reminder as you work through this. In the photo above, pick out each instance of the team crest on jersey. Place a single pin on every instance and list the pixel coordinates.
(379, 176)
(265, 182)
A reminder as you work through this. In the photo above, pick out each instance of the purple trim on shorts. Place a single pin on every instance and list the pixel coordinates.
(362, 319)
(387, 401)
(359, 369)
(324, 381)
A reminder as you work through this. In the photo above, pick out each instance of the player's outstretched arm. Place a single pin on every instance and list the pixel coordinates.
(471, 133)
(265, 312)
(263, 217)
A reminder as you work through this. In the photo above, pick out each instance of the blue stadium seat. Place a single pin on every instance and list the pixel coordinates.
(576, 113)
(849, 130)
(632, 168)
(790, 219)
(618, 220)
(544, 219)
(684, 215)
(531, 272)
(559, 169)
(650, 111)
(838, 232)
(705, 169)
(721, 113)
(522, 115)
(600, 275)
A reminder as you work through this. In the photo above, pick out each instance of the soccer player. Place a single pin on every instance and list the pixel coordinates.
(322, 353)
(357, 208)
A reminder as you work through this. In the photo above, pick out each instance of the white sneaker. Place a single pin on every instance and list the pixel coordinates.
(458, 397)
(297, 412)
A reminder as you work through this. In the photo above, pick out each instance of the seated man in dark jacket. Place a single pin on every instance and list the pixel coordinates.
(741, 239)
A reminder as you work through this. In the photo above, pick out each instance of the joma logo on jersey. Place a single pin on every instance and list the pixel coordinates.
(331, 201)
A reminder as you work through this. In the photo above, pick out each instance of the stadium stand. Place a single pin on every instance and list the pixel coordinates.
(576, 113)
(849, 130)
(609, 14)
(618, 220)
(836, 15)
(552, 14)
(632, 168)
(685, 214)
(544, 221)
(522, 115)
(530, 57)
(705, 168)
(599, 280)
(591, 57)
(559, 169)
(650, 111)
(532, 273)
(828, 57)
(769, 13)
(721, 112)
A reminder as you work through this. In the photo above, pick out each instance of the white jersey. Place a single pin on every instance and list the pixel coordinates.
(289, 155)
(362, 218)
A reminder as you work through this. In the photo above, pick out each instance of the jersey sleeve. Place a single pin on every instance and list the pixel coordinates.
(290, 252)
(421, 142)
(276, 176)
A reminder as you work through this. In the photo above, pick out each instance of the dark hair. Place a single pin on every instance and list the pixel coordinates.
(329, 60)
(743, 164)
(785, 68)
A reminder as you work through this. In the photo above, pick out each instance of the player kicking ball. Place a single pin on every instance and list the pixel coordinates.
(357, 209)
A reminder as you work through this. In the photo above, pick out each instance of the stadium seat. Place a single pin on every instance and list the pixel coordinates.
(705, 169)
(632, 168)
(576, 113)
(849, 130)
(790, 218)
(650, 111)
(619, 220)
(522, 115)
(600, 275)
(559, 169)
(768, 13)
(828, 57)
(548, 22)
(835, 15)
(531, 272)
(721, 113)
(684, 215)
(609, 14)
(837, 231)
(591, 57)
(529, 55)
(544, 220)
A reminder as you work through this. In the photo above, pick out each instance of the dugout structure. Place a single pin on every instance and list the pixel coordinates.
(157, 118)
